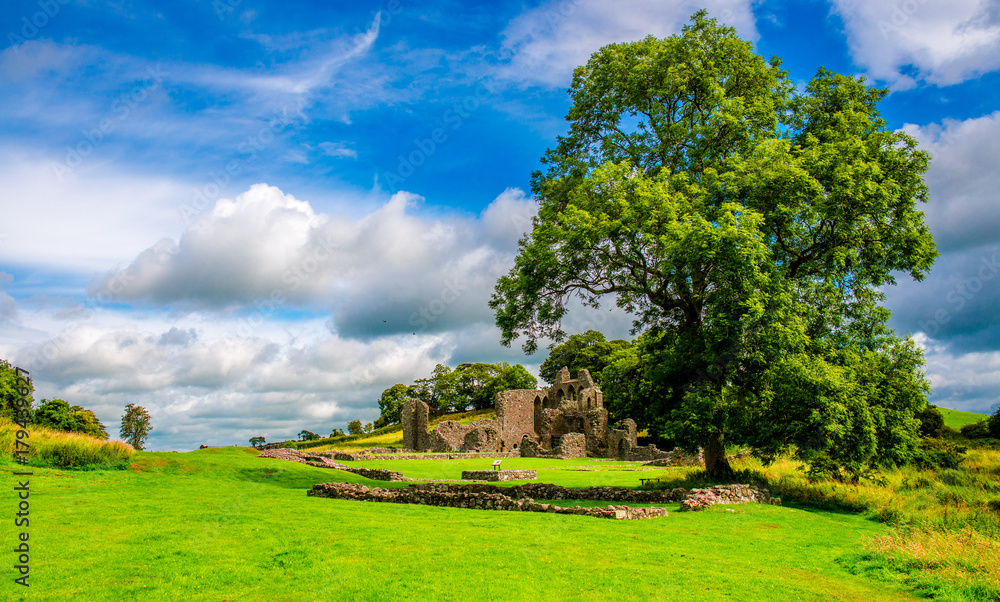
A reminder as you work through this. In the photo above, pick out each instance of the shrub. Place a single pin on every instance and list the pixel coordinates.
(931, 421)
(938, 453)
(976, 430)
(50, 447)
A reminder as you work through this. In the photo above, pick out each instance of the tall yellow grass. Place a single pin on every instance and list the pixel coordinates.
(50, 447)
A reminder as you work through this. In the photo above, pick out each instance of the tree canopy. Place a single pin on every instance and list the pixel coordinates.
(136, 425)
(10, 390)
(589, 350)
(59, 415)
(749, 228)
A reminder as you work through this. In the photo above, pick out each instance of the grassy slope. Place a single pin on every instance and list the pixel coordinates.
(957, 419)
(221, 524)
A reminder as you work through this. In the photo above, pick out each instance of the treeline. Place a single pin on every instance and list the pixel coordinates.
(60, 415)
(468, 386)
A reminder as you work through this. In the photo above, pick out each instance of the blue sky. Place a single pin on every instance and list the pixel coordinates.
(252, 217)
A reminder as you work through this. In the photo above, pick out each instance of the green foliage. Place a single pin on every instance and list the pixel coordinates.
(931, 421)
(391, 403)
(257, 441)
(136, 425)
(589, 350)
(472, 385)
(337, 433)
(58, 414)
(11, 387)
(976, 430)
(367, 428)
(62, 449)
(993, 424)
(749, 228)
(305, 435)
(354, 427)
(938, 453)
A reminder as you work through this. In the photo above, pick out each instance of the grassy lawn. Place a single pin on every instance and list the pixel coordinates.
(221, 524)
(957, 419)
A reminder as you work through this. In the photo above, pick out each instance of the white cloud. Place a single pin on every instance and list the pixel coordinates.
(337, 149)
(964, 179)
(387, 272)
(546, 43)
(905, 42)
(89, 219)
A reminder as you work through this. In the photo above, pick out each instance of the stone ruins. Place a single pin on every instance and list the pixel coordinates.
(566, 420)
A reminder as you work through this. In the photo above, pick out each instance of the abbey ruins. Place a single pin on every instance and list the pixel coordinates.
(566, 420)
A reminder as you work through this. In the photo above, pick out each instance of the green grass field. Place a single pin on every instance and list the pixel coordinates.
(957, 419)
(221, 524)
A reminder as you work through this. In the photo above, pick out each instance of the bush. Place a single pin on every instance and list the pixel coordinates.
(938, 453)
(931, 421)
(50, 447)
(993, 424)
(976, 430)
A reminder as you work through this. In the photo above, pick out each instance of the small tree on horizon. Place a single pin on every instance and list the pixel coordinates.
(135, 426)
(257, 441)
(354, 427)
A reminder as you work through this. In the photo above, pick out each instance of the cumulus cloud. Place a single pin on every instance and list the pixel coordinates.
(964, 180)
(905, 42)
(546, 43)
(388, 272)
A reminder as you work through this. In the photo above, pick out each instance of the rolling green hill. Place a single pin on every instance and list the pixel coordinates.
(957, 419)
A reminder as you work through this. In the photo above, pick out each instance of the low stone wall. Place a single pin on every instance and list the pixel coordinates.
(441, 496)
(499, 475)
(359, 456)
(677, 457)
(294, 455)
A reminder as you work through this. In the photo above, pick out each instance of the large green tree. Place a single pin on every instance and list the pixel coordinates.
(391, 404)
(749, 227)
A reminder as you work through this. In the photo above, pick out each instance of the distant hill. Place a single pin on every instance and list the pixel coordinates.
(957, 419)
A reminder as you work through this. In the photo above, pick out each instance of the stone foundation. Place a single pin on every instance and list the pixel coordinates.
(294, 455)
(443, 496)
(499, 475)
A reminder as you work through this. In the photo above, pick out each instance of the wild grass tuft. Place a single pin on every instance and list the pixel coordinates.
(60, 449)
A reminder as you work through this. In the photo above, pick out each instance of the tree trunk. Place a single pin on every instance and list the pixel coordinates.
(716, 464)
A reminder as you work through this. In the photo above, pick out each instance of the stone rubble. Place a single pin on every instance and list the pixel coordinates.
(499, 475)
(294, 455)
(439, 495)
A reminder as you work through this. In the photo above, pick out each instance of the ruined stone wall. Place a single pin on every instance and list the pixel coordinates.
(522, 497)
(415, 421)
(494, 500)
(483, 438)
(596, 431)
(499, 475)
(572, 445)
(515, 416)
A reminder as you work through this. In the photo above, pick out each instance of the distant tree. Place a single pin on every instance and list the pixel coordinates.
(589, 350)
(931, 421)
(993, 424)
(9, 390)
(257, 441)
(368, 428)
(136, 425)
(308, 436)
(391, 403)
(354, 427)
(58, 414)
(337, 433)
